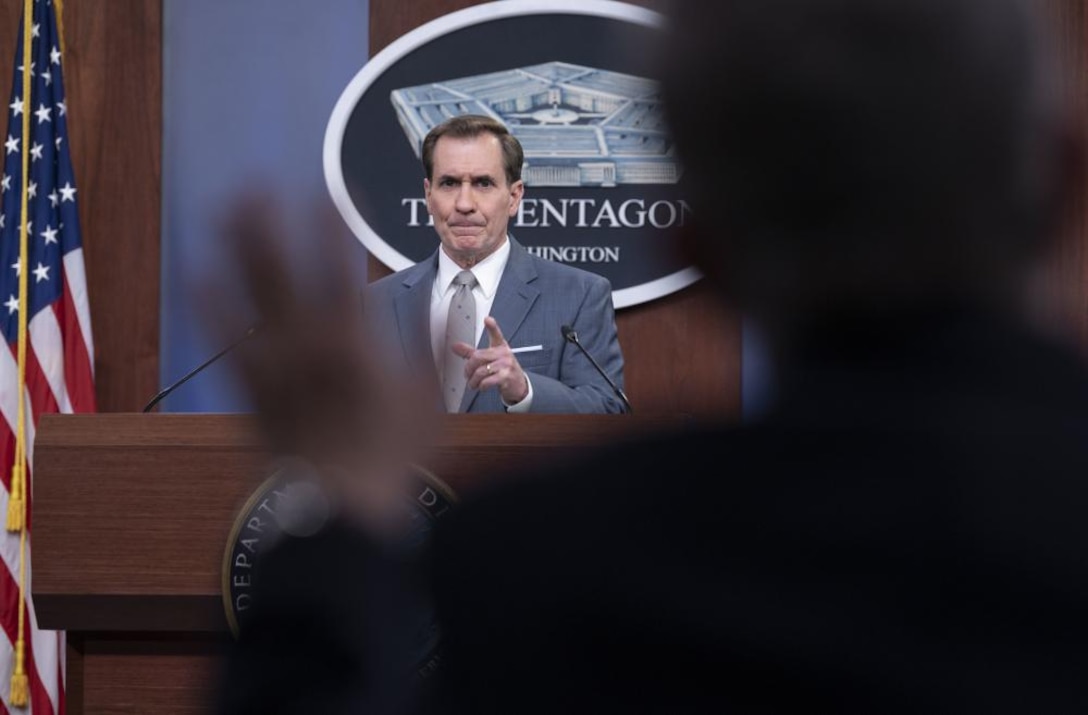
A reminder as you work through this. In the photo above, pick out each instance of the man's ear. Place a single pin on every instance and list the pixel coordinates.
(517, 191)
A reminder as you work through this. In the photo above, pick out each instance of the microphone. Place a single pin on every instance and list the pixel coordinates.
(193, 373)
(572, 337)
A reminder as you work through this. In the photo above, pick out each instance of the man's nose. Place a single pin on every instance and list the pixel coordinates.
(465, 200)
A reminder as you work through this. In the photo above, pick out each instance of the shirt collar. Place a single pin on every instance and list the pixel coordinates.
(487, 272)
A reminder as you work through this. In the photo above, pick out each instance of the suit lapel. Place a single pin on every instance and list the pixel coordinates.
(514, 298)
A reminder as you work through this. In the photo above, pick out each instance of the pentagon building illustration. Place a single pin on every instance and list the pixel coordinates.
(579, 126)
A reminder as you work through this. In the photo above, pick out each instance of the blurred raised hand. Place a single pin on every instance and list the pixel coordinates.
(318, 393)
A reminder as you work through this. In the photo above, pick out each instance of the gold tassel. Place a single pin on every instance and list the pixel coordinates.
(20, 684)
(16, 505)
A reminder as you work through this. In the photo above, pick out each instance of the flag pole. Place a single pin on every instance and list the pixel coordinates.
(20, 686)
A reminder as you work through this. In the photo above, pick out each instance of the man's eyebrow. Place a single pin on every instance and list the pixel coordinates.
(474, 177)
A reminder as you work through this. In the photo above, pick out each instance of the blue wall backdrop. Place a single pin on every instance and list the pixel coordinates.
(248, 88)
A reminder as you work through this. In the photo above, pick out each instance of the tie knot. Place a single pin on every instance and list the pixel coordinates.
(465, 278)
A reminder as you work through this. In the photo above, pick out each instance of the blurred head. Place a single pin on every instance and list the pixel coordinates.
(473, 185)
(849, 154)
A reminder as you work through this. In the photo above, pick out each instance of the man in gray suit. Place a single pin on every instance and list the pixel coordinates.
(514, 357)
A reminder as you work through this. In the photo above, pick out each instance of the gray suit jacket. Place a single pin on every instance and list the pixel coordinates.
(534, 299)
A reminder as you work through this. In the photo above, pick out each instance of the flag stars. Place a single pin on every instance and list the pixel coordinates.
(67, 192)
(21, 68)
(41, 273)
(48, 77)
(16, 107)
(49, 234)
(53, 198)
(57, 141)
(32, 190)
(12, 145)
(54, 55)
(62, 108)
(36, 151)
(18, 266)
(35, 31)
(5, 183)
(43, 114)
(12, 304)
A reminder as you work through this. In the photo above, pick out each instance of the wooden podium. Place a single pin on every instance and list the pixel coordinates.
(132, 513)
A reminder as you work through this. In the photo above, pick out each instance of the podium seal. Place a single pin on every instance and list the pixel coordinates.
(290, 504)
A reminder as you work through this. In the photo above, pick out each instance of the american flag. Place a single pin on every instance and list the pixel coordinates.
(57, 367)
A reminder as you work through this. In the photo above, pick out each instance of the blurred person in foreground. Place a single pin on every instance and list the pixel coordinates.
(874, 182)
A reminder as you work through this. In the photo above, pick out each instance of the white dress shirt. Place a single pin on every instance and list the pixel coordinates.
(488, 273)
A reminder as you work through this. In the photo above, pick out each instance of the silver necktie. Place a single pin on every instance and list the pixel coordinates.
(460, 327)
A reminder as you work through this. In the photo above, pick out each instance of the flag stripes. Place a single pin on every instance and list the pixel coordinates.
(58, 367)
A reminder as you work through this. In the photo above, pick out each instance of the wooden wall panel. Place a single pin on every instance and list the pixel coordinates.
(113, 75)
(682, 352)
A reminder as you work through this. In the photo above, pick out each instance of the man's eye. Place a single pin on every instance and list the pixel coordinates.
(447, 182)
(484, 182)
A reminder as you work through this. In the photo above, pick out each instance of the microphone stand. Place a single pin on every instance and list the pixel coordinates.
(571, 337)
(192, 373)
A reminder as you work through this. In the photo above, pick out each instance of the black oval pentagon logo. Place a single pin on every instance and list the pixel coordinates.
(572, 81)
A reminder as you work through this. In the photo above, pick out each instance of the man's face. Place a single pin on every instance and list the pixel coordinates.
(469, 198)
